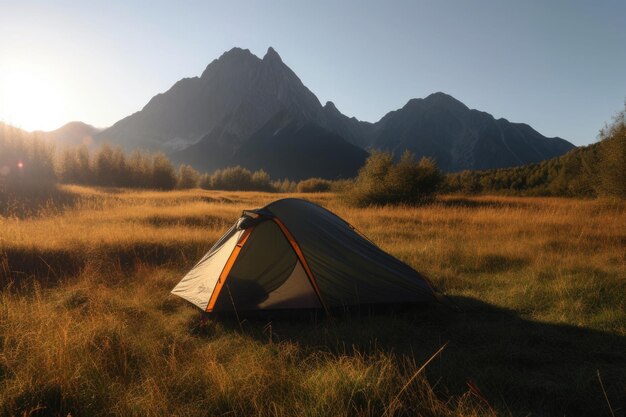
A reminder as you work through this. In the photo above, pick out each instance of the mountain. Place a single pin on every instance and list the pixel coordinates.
(72, 133)
(460, 138)
(258, 113)
(577, 173)
(355, 131)
(299, 149)
(235, 95)
(286, 146)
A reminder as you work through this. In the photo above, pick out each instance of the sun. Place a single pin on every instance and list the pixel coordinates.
(31, 99)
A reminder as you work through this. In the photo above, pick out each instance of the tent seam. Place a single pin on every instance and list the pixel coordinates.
(227, 268)
(296, 248)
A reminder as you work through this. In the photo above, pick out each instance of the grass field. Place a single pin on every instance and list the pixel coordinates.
(88, 327)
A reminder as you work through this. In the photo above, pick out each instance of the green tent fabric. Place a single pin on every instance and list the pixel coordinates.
(294, 254)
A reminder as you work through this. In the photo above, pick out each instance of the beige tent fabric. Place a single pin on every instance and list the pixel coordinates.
(266, 275)
(296, 292)
(199, 283)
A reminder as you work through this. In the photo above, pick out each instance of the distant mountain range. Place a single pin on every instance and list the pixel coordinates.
(72, 133)
(244, 110)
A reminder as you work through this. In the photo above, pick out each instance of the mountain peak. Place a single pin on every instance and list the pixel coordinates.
(236, 51)
(272, 55)
(234, 57)
(436, 100)
(330, 106)
(445, 99)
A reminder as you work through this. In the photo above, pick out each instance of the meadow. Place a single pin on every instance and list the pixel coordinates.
(88, 326)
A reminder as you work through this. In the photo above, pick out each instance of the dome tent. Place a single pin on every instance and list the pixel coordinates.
(294, 254)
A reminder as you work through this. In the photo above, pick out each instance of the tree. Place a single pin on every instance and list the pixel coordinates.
(187, 177)
(163, 173)
(612, 181)
(381, 181)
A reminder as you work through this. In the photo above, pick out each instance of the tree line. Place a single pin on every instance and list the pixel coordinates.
(32, 166)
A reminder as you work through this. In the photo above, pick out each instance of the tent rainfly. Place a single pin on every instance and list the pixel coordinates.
(293, 254)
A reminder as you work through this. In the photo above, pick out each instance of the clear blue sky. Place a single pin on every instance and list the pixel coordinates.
(559, 66)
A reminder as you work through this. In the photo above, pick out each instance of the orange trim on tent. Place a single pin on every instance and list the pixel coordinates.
(300, 255)
(227, 267)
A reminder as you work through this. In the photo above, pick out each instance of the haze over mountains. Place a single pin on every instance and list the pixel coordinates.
(70, 134)
(244, 110)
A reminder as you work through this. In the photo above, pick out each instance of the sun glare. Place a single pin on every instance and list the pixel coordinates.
(30, 99)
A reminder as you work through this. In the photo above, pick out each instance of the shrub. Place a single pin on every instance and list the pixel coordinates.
(140, 169)
(187, 177)
(285, 186)
(163, 173)
(205, 181)
(381, 181)
(74, 165)
(261, 181)
(109, 166)
(238, 179)
(314, 185)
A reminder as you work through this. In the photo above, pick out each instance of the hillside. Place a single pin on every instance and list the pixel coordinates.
(577, 173)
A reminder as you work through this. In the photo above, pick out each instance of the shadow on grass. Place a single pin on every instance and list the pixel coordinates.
(451, 202)
(522, 366)
(47, 267)
(32, 202)
(207, 220)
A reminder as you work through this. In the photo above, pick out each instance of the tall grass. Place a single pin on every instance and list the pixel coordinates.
(88, 327)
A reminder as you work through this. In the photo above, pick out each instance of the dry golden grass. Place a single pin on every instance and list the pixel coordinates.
(87, 324)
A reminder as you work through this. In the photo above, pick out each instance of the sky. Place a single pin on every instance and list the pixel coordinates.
(559, 66)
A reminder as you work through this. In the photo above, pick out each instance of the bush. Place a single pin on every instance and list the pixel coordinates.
(314, 185)
(74, 166)
(109, 165)
(261, 181)
(163, 173)
(187, 177)
(381, 181)
(238, 179)
(140, 170)
(205, 181)
(285, 186)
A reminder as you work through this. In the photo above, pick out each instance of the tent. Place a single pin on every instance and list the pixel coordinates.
(294, 254)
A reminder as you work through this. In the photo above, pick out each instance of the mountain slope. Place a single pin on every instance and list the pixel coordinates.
(575, 174)
(297, 150)
(459, 138)
(236, 94)
(353, 130)
(287, 146)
